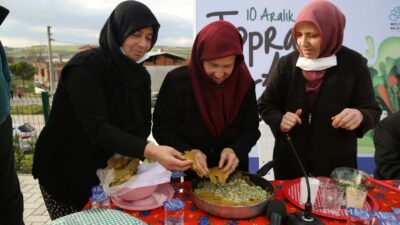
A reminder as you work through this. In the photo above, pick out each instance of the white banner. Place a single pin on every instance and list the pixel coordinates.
(265, 27)
(372, 29)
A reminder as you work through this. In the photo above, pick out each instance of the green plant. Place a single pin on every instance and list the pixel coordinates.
(23, 159)
(32, 109)
(19, 154)
(32, 143)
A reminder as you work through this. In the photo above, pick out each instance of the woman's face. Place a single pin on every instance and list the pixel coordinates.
(219, 69)
(308, 39)
(138, 43)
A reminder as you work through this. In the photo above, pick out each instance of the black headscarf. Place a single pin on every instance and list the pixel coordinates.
(127, 18)
(3, 14)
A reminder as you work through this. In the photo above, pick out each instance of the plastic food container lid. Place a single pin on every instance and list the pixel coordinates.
(178, 174)
(174, 204)
(384, 216)
(361, 214)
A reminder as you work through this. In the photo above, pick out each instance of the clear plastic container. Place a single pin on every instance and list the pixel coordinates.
(174, 212)
(177, 179)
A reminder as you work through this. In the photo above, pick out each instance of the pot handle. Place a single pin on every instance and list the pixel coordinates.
(266, 168)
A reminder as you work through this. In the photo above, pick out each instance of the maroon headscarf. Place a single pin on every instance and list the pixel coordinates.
(330, 22)
(218, 103)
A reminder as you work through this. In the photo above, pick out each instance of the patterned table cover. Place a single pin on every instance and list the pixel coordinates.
(385, 198)
(98, 217)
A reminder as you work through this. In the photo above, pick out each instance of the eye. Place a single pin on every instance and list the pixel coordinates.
(136, 34)
(228, 66)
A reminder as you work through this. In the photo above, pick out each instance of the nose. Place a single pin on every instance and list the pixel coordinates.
(142, 42)
(218, 73)
(303, 41)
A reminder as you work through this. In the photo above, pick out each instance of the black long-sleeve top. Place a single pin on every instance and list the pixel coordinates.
(387, 148)
(178, 123)
(93, 116)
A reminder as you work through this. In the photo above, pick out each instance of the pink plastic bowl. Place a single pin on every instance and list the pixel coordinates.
(138, 193)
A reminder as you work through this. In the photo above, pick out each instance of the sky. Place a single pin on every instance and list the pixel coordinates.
(80, 21)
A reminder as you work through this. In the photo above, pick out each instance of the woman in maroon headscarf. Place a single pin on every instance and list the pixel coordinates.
(209, 106)
(321, 95)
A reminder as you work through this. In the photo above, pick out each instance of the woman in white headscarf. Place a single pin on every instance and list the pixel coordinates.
(321, 95)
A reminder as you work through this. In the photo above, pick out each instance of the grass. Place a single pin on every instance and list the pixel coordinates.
(32, 109)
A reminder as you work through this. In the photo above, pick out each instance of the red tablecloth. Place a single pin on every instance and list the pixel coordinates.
(385, 198)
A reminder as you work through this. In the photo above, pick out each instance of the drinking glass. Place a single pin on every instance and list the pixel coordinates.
(331, 197)
(314, 184)
(356, 196)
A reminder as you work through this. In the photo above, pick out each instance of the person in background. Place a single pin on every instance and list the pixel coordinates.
(19, 92)
(11, 200)
(387, 148)
(209, 107)
(321, 95)
(101, 107)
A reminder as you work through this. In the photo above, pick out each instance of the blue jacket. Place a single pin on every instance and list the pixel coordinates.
(5, 88)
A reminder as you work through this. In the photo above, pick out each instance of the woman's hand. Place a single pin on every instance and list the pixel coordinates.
(289, 120)
(228, 161)
(201, 160)
(168, 157)
(348, 119)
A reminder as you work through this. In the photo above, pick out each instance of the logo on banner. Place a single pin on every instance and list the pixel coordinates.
(394, 17)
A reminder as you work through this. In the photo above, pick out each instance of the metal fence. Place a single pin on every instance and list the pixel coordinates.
(28, 108)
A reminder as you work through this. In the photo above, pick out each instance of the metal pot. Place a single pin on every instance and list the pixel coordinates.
(234, 212)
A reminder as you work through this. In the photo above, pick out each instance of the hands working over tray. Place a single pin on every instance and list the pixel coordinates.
(173, 160)
(227, 164)
(168, 157)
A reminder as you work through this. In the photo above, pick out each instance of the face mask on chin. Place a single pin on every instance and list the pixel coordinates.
(146, 56)
(316, 64)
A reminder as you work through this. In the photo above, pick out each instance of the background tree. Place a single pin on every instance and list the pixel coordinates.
(23, 69)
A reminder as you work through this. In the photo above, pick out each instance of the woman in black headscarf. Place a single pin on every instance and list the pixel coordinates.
(102, 106)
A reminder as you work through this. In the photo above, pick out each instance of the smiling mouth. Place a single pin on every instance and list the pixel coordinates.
(139, 54)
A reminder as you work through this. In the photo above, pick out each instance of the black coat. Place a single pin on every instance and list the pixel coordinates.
(101, 107)
(320, 146)
(93, 116)
(387, 148)
(178, 123)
